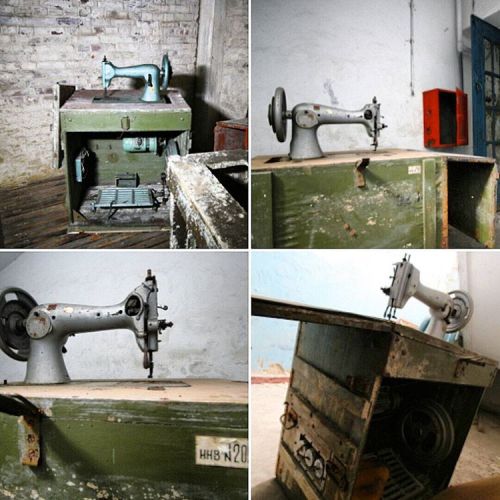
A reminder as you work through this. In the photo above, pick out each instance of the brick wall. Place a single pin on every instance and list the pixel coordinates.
(46, 41)
(235, 72)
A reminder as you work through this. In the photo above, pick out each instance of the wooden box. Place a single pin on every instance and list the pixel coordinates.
(384, 199)
(372, 406)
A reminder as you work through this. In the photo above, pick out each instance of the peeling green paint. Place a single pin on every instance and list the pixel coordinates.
(123, 449)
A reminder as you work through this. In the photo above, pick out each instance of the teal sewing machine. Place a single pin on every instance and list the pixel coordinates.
(115, 143)
(152, 75)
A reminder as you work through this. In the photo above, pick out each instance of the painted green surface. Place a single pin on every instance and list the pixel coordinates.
(262, 225)
(128, 449)
(109, 159)
(111, 121)
(321, 207)
(430, 203)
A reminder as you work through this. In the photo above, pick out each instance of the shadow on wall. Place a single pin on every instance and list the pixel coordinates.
(205, 114)
(491, 398)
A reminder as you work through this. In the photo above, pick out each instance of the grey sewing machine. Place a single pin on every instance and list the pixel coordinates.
(38, 333)
(153, 77)
(449, 311)
(307, 118)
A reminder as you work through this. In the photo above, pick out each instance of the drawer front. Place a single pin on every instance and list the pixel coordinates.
(124, 121)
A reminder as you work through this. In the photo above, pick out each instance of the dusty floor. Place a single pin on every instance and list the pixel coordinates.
(480, 457)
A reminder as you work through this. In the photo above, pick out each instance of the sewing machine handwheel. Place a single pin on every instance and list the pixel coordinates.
(166, 72)
(15, 306)
(276, 114)
(463, 309)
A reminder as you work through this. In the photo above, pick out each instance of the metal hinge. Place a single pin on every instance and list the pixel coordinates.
(29, 425)
(359, 172)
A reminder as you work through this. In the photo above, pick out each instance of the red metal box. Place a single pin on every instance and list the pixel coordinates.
(445, 118)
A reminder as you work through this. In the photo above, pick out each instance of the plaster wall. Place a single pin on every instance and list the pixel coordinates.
(342, 280)
(344, 52)
(480, 275)
(206, 294)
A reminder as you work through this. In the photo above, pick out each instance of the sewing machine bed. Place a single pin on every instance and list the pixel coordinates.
(84, 100)
(118, 438)
(124, 219)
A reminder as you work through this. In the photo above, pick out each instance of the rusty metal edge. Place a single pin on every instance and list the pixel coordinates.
(280, 309)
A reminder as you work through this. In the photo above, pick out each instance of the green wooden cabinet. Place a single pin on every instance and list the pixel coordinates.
(131, 440)
(98, 128)
(384, 199)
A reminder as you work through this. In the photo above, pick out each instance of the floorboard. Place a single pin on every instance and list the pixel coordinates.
(34, 216)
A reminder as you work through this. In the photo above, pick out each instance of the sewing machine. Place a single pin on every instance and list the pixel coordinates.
(449, 311)
(114, 147)
(307, 118)
(38, 333)
(154, 78)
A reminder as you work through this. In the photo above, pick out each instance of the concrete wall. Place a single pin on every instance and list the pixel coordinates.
(344, 52)
(43, 42)
(346, 281)
(206, 294)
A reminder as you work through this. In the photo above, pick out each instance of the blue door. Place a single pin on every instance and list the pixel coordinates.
(486, 88)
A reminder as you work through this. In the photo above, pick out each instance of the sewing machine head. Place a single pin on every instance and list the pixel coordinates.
(37, 333)
(307, 117)
(153, 77)
(449, 311)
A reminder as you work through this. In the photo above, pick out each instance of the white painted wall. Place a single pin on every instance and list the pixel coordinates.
(206, 293)
(480, 275)
(489, 10)
(343, 52)
(342, 280)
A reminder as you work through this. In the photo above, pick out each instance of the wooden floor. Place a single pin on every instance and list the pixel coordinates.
(34, 216)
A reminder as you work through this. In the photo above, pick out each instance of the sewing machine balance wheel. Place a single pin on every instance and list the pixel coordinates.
(15, 306)
(166, 72)
(276, 114)
(462, 310)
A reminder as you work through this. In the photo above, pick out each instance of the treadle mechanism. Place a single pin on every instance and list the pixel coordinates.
(140, 197)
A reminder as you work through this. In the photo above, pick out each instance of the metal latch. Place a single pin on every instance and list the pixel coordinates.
(359, 172)
(125, 123)
(30, 427)
(80, 167)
